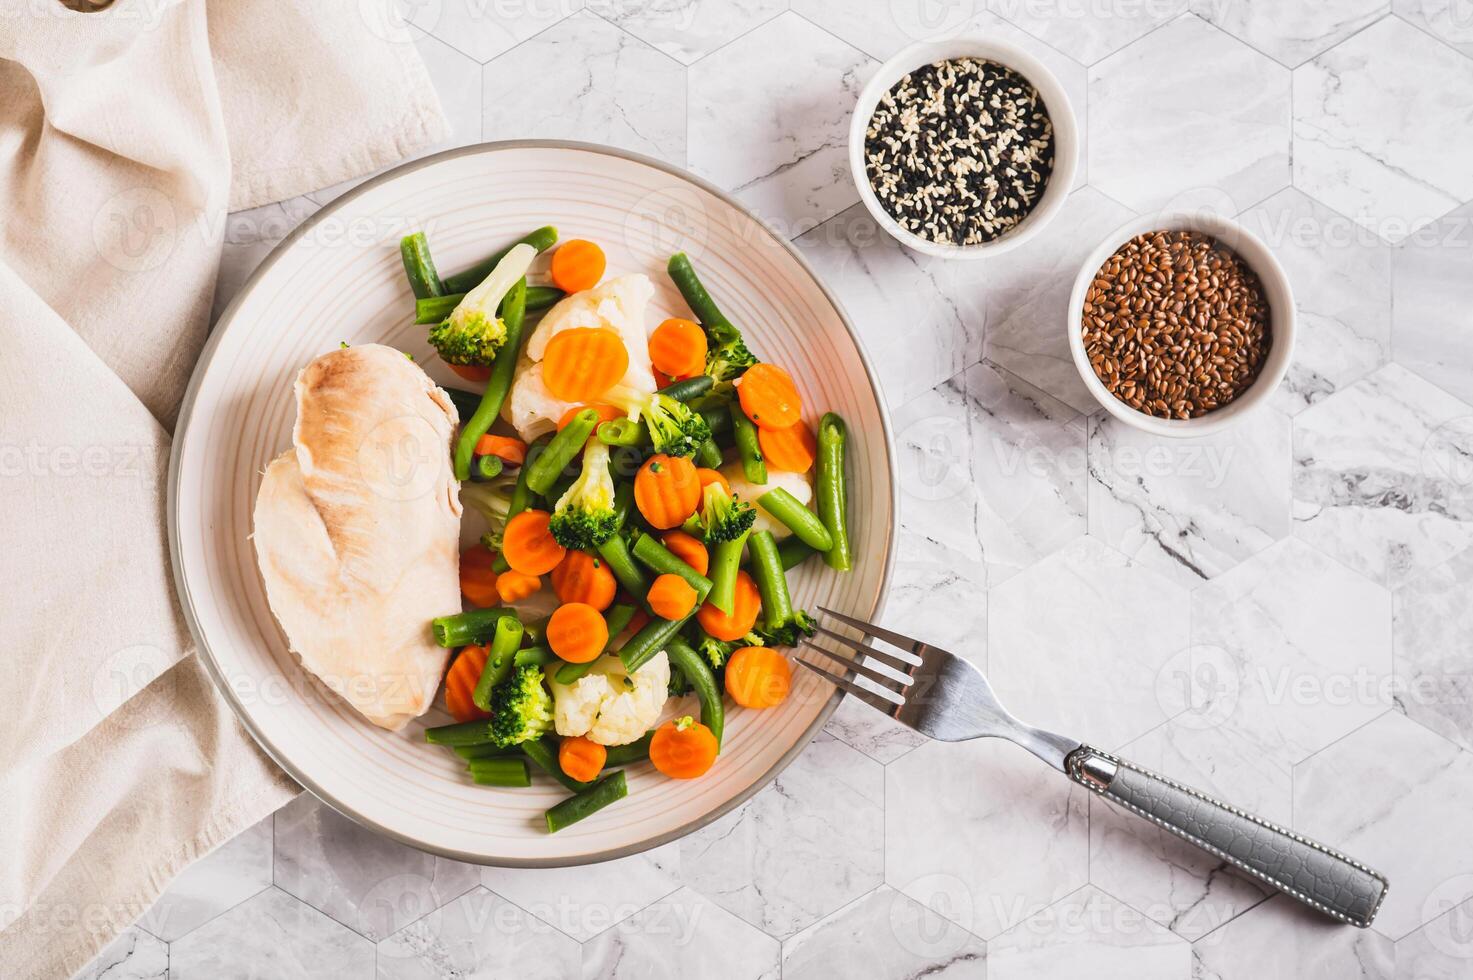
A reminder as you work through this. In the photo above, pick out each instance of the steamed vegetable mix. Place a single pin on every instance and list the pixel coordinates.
(727, 356)
(727, 522)
(703, 682)
(474, 332)
(513, 313)
(541, 240)
(499, 655)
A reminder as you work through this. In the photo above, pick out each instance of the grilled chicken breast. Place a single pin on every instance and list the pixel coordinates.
(357, 526)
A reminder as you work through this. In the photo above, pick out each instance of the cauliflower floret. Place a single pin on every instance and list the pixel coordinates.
(610, 705)
(794, 483)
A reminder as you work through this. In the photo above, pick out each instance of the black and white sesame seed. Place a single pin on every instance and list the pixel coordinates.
(959, 152)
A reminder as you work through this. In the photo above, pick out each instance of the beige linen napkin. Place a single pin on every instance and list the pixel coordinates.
(125, 135)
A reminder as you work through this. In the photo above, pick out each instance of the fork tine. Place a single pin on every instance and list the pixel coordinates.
(903, 664)
(890, 682)
(889, 636)
(864, 694)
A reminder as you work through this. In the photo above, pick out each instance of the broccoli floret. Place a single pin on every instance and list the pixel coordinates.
(492, 500)
(473, 332)
(788, 634)
(521, 708)
(723, 516)
(585, 516)
(676, 429)
(727, 356)
(717, 651)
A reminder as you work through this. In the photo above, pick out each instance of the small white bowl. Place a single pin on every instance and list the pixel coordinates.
(1066, 138)
(1281, 320)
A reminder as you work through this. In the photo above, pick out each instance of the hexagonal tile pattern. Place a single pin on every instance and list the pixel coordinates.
(1020, 832)
(484, 30)
(1396, 796)
(1433, 630)
(883, 934)
(1440, 950)
(1372, 141)
(1088, 934)
(370, 883)
(773, 129)
(134, 955)
(1449, 20)
(609, 87)
(272, 936)
(684, 935)
(687, 30)
(1381, 480)
(1303, 650)
(1175, 883)
(1191, 508)
(1188, 108)
(1083, 621)
(1283, 940)
(229, 875)
(1432, 283)
(1027, 297)
(583, 902)
(1342, 295)
(479, 935)
(920, 318)
(1085, 38)
(803, 847)
(1292, 33)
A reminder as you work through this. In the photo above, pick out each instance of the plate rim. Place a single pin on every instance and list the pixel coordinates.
(186, 413)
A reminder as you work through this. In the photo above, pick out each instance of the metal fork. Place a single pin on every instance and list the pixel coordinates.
(945, 697)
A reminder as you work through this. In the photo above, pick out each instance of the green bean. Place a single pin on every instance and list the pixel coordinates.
(464, 733)
(744, 434)
(718, 420)
(688, 388)
(649, 641)
(533, 657)
(708, 454)
(627, 755)
(772, 583)
(833, 490)
(486, 467)
(623, 501)
(504, 645)
(615, 551)
(615, 620)
(726, 559)
(796, 518)
(795, 552)
(698, 672)
(462, 282)
(414, 250)
(612, 787)
(522, 497)
(462, 629)
(695, 295)
(534, 632)
(540, 751)
(622, 432)
(433, 309)
(500, 772)
(562, 450)
(514, 315)
(465, 402)
(664, 562)
(489, 750)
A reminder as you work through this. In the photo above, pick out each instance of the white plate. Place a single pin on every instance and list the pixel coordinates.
(339, 278)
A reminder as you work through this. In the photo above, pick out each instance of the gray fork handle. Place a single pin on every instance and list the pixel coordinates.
(1314, 874)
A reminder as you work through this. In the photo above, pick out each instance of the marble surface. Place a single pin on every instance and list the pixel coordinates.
(1279, 615)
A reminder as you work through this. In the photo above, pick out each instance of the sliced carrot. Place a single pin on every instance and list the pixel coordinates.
(529, 546)
(577, 633)
(710, 476)
(671, 597)
(758, 677)
(744, 610)
(582, 363)
(478, 576)
(792, 449)
(666, 490)
(689, 549)
(580, 577)
(514, 586)
(678, 347)
(768, 396)
(683, 748)
(581, 759)
(578, 264)
(506, 448)
(472, 372)
(460, 681)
